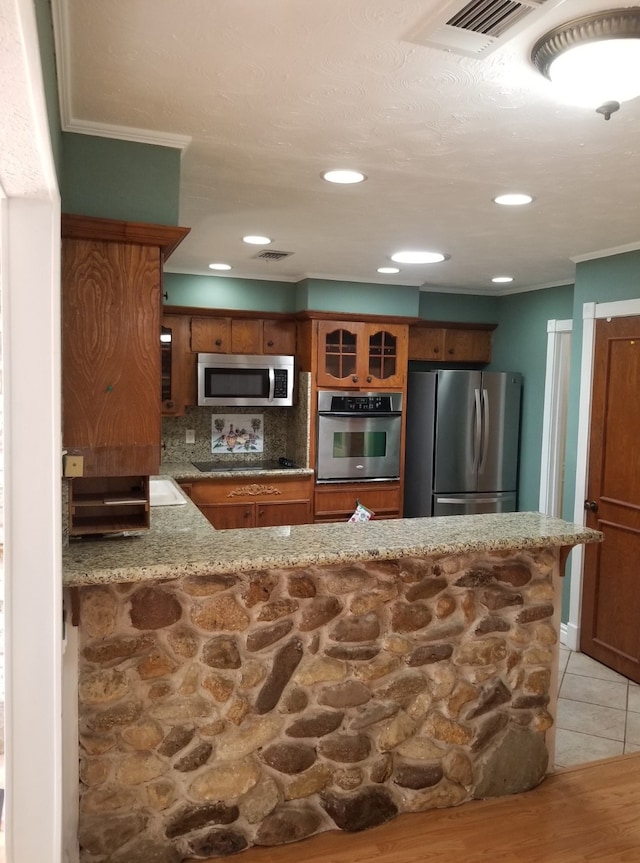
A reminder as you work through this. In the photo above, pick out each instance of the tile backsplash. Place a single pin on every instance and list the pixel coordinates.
(286, 432)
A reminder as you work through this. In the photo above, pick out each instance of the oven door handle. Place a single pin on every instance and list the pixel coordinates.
(363, 416)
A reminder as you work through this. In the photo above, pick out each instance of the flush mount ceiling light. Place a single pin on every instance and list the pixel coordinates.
(257, 241)
(343, 176)
(594, 60)
(513, 199)
(502, 279)
(388, 270)
(418, 257)
(219, 267)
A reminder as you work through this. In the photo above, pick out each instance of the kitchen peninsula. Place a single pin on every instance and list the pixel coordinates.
(257, 686)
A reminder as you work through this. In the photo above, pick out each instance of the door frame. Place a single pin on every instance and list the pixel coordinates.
(554, 416)
(591, 312)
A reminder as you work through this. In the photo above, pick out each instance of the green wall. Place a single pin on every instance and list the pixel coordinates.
(324, 295)
(520, 345)
(317, 294)
(216, 292)
(120, 180)
(49, 79)
(438, 306)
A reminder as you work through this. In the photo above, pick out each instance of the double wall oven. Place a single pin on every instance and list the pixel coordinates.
(359, 436)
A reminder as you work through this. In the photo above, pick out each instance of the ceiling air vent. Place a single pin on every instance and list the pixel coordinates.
(477, 28)
(272, 255)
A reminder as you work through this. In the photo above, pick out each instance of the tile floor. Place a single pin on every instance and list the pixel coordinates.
(598, 713)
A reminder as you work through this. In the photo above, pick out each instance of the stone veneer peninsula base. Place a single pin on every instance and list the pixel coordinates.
(221, 711)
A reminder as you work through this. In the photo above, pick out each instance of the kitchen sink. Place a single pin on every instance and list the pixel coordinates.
(163, 492)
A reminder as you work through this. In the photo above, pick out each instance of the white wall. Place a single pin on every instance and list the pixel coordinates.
(30, 283)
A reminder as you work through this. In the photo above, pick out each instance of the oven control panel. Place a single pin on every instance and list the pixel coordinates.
(359, 403)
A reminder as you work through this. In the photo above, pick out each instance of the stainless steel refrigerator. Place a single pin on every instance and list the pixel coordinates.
(462, 439)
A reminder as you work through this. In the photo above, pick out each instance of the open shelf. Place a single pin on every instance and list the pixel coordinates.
(99, 505)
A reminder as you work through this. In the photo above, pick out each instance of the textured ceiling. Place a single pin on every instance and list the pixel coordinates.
(273, 92)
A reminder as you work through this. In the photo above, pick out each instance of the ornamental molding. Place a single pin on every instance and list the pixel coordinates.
(253, 490)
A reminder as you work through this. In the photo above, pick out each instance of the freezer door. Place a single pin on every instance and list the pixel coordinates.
(473, 504)
(458, 426)
(500, 399)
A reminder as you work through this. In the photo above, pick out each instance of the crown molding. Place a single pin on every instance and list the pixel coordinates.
(60, 14)
(606, 253)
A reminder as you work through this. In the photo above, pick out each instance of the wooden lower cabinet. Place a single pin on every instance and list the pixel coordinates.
(337, 501)
(259, 502)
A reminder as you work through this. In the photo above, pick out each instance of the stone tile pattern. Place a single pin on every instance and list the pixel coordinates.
(226, 711)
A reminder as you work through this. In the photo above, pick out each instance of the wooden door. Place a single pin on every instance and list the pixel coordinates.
(610, 619)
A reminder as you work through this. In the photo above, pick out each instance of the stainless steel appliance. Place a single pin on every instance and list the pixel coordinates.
(359, 435)
(462, 442)
(250, 381)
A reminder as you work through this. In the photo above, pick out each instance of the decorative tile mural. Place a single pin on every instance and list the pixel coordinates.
(237, 433)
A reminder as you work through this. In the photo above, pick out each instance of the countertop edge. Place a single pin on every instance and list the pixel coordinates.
(230, 551)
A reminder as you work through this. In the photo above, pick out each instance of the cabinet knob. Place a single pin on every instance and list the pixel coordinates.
(247, 513)
(436, 350)
(169, 405)
(369, 379)
(270, 343)
(354, 378)
(260, 513)
(218, 342)
(452, 350)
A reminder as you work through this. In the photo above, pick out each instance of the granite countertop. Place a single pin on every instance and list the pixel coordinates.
(182, 542)
(186, 471)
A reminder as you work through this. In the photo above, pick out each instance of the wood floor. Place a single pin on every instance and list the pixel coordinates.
(586, 814)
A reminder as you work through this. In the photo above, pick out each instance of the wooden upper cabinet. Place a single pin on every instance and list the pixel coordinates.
(467, 346)
(426, 343)
(279, 337)
(178, 366)
(360, 355)
(111, 368)
(451, 344)
(210, 335)
(231, 335)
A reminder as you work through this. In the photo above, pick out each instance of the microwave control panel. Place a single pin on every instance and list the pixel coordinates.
(280, 383)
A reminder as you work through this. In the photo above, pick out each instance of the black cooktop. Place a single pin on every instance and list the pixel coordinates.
(254, 466)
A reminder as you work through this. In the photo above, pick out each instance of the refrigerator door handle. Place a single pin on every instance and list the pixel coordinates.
(486, 431)
(466, 500)
(477, 437)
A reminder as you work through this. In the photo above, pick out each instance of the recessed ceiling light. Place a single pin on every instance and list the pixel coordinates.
(388, 269)
(418, 257)
(257, 241)
(219, 267)
(514, 199)
(343, 176)
(499, 279)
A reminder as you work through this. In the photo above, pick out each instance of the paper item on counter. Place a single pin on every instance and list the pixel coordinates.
(237, 433)
(361, 513)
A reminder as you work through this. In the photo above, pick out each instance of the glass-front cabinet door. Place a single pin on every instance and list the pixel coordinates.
(387, 355)
(361, 355)
(339, 353)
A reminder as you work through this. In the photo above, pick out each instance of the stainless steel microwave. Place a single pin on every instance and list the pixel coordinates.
(248, 381)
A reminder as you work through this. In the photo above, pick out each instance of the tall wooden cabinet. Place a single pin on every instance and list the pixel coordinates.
(111, 367)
